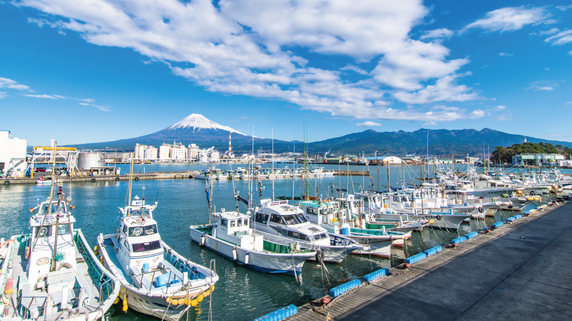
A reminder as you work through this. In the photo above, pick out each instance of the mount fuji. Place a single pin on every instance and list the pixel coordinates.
(194, 129)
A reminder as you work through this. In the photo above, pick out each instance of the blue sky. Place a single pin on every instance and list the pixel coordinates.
(90, 71)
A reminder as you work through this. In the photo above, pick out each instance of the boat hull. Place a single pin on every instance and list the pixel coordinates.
(267, 262)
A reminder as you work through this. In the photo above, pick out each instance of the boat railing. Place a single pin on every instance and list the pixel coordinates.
(100, 276)
(212, 268)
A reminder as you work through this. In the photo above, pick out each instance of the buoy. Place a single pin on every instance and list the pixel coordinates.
(324, 301)
(246, 258)
(203, 240)
(125, 306)
(234, 254)
(206, 293)
(212, 288)
(95, 248)
(116, 300)
(188, 301)
(200, 298)
(101, 259)
(168, 299)
(174, 302)
(194, 303)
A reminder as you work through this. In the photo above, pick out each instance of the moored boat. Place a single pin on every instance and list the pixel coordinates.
(51, 273)
(156, 280)
(231, 236)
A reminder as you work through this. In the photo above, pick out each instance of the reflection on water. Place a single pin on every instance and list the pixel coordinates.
(241, 294)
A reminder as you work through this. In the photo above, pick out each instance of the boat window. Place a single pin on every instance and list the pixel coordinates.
(276, 219)
(302, 218)
(125, 229)
(44, 231)
(147, 246)
(261, 218)
(311, 210)
(233, 223)
(223, 222)
(63, 229)
(143, 230)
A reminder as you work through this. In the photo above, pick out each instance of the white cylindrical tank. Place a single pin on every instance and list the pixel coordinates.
(90, 160)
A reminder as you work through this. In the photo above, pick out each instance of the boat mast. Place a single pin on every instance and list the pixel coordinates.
(306, 179)
(55, 250)
(272, 160)
(130, 185)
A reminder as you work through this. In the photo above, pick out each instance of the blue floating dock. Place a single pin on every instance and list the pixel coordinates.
(343, 288)
(497, 224)
(376, 275)
(433, 250)
(279, 314)
(471, 235)
(458, 240)
(415, 258)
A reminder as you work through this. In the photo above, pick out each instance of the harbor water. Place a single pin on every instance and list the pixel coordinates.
(241, 294)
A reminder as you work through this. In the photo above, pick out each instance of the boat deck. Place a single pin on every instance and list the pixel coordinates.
(34, 298)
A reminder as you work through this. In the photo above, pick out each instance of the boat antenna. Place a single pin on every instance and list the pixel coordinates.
(130, 185)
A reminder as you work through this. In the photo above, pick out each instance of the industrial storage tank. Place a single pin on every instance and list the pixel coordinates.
(89, 160)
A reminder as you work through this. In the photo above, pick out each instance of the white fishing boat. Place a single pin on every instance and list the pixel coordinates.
(156, 280)
(339, 219)
(232, 237)
(279, 219)
(51, 273)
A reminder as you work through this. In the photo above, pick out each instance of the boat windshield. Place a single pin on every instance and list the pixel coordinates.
(146, 246)
(143, 230)
(294, 219)
(63, 229)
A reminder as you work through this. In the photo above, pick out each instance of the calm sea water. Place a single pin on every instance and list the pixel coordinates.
(241, 294)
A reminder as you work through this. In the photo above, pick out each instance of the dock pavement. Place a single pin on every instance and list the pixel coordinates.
(520, 271)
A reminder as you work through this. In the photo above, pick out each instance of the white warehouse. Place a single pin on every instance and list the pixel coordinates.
(12, 155)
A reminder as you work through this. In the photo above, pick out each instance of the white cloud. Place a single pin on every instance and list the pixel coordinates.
(3, 94)
(477, 114)
(84, 104)
(505, 54)
(11, 84)
(368, 124)
(354, 68)
(542, 85)
(511, 19)
(569, 103)
(429, 123)
(560, 38)
(564, 8)
(45, 96)
(570, 52)
(239, 46)
(442, 33)
(500, 107)
(102, 108)
(556, 135)
(549, 32)
(444, 89)
(87, 100)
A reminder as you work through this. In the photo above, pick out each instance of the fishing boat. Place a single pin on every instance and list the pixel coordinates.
(278, 219)
(51, 273)
(232, 237)
(337, 218)
(156, 280)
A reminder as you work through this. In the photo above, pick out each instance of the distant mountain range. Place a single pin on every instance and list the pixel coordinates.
(205, 133)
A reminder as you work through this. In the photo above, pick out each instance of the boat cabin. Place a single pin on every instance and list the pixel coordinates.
(139, 242)
(280, 218)
(234, 228)
(53, 224)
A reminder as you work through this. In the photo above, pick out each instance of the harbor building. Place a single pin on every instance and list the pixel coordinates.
(537, 159)
(386, 160)
(193, 152)
(12, 155)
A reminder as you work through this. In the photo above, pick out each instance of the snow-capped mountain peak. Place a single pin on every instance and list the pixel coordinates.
(198, 122)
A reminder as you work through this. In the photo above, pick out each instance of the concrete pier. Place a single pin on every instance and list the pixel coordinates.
(520, 271)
